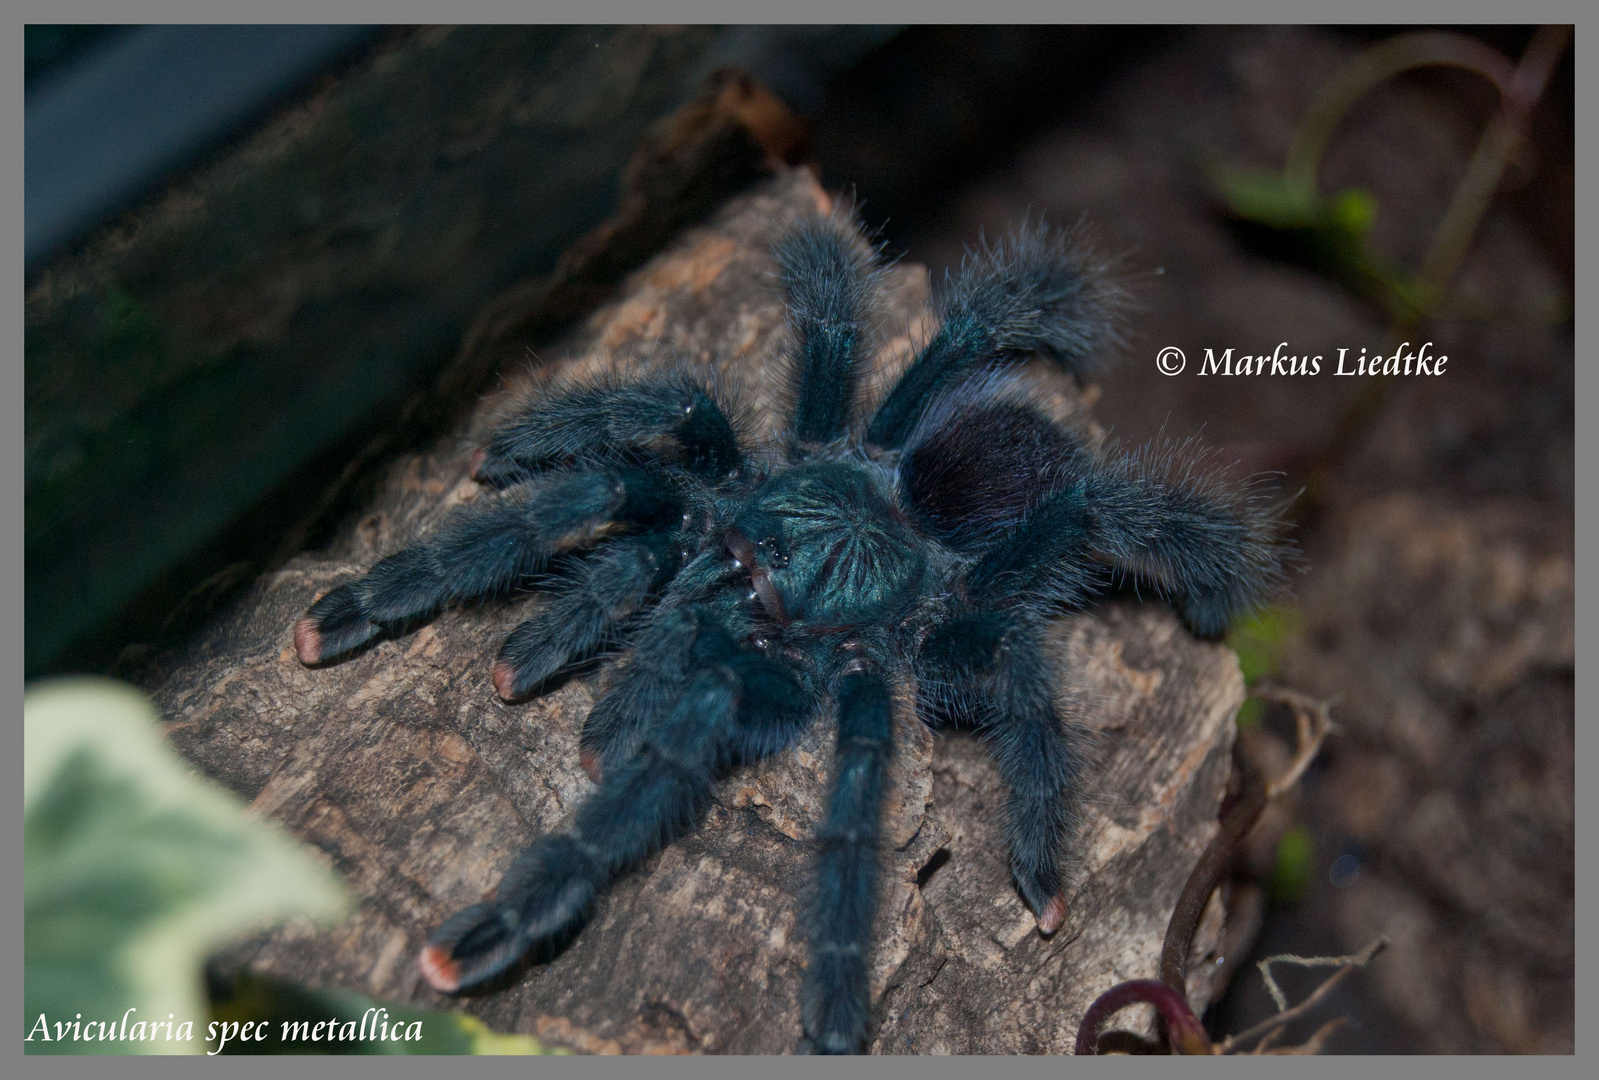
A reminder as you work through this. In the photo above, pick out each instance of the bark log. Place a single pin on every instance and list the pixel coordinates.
(419, 784)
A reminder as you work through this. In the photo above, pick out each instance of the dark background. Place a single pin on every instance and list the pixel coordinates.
(219, 353)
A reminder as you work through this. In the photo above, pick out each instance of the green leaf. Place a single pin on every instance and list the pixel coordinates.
(135, 869)
(1296, 854)
(1328, 232)
(1353, 210)
(1261, 639)
(1268, 198)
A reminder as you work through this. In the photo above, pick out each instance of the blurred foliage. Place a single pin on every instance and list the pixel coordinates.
(1250, 713)
(1296, 856)
(1333, 232)
(135, 869)
(1329, 232)
(1260, 639)
(1259, 642)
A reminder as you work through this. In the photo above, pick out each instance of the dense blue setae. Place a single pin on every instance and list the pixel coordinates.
(929, 541)
(831, 546)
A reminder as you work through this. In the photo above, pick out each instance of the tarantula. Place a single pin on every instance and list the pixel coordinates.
(752, 594)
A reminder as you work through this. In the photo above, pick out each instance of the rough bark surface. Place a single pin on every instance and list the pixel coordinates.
(402, 765)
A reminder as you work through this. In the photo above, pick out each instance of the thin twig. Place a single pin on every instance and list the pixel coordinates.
(1264, 1045)
(1287, 1015)
(1314, 720)
(1314, 724)
(1311, 1045)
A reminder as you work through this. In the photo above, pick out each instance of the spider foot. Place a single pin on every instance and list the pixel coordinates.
(592, 764)
(335, 624)
(1207, 614)
(544, 898)
(834, 1007)
(472, 947)
(504, 676)
(1053, 915)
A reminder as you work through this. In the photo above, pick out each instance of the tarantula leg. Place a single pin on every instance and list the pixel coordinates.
(673, 416)
(986, 474)
(1212, 546)
(773, 709)
(547, 893)
(1042, 562)
(835, 999)
(828, 273)
(992, 663)
(647, 802)
(652, 677)
(482, 549)
(603, 594)
(1040, 291)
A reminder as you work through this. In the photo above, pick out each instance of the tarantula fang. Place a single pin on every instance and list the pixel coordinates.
(932, 537)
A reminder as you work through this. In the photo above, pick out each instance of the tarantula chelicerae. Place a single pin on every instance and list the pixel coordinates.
(755, 594)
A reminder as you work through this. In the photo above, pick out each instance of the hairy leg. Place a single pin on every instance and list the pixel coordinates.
(1043, 562)
(674, 417)
(828, 272)
(655, 673)
(989, 475)
(648, 801)
(1040, 291)
(835, 1000)
(991, 665)
(586, 614)
(482, 549)
(1209, 544)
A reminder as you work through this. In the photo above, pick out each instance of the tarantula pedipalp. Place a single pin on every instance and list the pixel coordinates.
(752, 593)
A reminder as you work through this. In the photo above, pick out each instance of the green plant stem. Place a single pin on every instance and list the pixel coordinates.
(1504, 131)
(1520, 88)
(1404, 52)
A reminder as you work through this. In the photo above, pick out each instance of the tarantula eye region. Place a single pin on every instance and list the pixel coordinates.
(775, 558)
(746, 554)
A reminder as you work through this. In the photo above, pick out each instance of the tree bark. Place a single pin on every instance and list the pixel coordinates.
(402, 765)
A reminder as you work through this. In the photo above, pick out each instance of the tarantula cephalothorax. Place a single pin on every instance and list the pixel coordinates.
(754, 594)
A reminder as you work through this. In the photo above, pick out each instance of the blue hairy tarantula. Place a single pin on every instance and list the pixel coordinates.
(924, 543)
